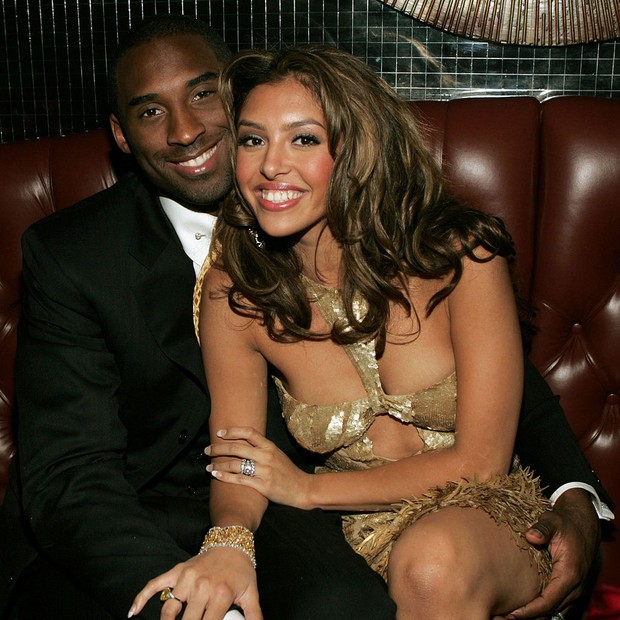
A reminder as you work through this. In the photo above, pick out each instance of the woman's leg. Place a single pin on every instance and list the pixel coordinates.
(458, 563)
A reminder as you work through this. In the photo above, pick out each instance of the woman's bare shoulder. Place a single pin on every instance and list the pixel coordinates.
(216, 278)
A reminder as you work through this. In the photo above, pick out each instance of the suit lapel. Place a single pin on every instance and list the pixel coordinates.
(164, 292)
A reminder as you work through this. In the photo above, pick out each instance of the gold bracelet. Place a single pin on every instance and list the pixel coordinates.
(234, 536)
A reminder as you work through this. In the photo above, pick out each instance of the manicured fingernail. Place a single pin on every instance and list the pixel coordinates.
(221, 433)
(207, 450)
(130, 614)
(216, 474)
(209, 467)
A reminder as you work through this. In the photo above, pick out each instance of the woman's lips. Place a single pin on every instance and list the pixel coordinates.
(279, 199)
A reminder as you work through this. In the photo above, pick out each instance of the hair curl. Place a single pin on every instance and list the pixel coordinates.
(386, 203)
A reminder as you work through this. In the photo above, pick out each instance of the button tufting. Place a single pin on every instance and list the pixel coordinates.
(577, 328)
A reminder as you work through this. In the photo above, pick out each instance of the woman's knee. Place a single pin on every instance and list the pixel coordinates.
(459, 556)
(433, 561)
(423, 562)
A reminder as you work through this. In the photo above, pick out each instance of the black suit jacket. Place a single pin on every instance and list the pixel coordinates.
(110, 387)
(111, 391)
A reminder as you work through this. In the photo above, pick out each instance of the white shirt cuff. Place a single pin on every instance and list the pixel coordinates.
(602, 509)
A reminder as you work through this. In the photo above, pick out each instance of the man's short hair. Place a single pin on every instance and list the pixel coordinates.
(158, 27)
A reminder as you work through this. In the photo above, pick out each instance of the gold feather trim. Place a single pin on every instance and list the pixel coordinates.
(515, 500)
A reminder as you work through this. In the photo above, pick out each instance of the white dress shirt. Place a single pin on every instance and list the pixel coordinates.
(193, 228)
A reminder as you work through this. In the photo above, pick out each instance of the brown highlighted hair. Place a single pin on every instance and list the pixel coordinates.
(386, 203)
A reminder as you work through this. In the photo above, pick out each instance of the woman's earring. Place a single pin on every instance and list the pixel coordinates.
(256, 237)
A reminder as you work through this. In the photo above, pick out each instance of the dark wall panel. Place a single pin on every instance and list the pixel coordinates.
(53, 54)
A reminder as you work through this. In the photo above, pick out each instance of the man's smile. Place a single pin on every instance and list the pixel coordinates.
(198, 164)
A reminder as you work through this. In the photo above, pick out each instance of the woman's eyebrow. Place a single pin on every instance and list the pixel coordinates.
(292, 125)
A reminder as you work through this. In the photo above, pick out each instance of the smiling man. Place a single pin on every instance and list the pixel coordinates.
(168, 116)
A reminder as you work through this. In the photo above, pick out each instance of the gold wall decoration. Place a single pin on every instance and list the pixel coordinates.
(520, 22)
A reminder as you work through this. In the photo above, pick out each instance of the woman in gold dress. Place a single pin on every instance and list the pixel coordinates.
(386, 313)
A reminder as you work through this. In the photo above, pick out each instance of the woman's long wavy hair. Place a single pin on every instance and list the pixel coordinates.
(386, 204)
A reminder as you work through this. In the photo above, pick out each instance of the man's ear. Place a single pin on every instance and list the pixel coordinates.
(119, 134)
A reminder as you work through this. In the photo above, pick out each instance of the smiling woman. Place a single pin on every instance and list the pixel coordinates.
(365, 299)
(343, 268)
(284, 164)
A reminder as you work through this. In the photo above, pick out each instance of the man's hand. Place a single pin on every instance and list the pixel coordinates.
(571, 532)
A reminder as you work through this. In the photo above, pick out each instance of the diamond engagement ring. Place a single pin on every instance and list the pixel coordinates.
(167, 594)
(558, 616)
(248, 467)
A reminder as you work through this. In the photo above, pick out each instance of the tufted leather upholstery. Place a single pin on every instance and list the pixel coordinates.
(551, 170)
(38, 178)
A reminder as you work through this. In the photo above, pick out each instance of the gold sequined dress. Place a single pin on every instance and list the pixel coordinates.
(341, 431)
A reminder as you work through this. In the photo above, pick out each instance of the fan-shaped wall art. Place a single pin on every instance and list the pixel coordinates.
(519, 22)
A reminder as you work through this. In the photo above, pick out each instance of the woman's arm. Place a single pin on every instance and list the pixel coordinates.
(484, 331)
(237, 379)
(485, 336)
(223, 573)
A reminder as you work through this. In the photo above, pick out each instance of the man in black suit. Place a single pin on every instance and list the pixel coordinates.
(112, 399)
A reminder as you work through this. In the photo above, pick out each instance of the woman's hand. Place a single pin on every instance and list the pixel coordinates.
(205, 586)
(275, 476)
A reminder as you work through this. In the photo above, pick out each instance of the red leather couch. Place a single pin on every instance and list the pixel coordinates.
(551, 170)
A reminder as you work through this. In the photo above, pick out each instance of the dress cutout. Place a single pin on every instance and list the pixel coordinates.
(341, 428)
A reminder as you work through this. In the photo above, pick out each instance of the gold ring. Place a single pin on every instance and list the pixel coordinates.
(166, 594)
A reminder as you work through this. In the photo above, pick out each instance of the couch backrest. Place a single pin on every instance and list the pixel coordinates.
(577, 275)
(489, 151)
(38, 178)
(551, 170)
